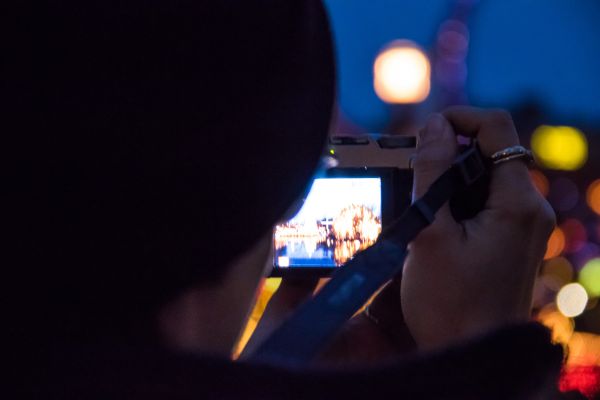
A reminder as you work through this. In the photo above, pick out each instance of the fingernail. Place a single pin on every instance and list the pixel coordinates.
(433, 129)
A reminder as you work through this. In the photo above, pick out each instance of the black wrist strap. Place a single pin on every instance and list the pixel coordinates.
(299, 339)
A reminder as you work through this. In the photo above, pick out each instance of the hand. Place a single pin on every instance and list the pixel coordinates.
(361, 341)
(462, 279)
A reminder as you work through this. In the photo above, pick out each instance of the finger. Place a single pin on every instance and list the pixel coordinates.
(436, 150)
(494, 130)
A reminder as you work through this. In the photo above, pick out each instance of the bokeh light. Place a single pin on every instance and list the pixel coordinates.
(451, 50)
(581, 378)
(585, 253)
(402, 73)
(589, 277)
(556, 273)
(593, 196)
(592, 303)
(266, 290)
(571, 300)
(556, 244)
(540, 182)
(563, 195)
(453, 38)
(559, 147)
(584, 349)
(562, 327)
(575, 235)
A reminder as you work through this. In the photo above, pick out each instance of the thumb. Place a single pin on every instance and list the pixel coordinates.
(436, 150)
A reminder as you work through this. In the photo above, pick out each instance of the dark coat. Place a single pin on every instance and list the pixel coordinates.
(517, 362)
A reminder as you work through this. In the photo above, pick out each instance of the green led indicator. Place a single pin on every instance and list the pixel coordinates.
(331, 151)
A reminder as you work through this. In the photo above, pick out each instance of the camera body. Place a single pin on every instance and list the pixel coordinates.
(364, 184)
(372, 150)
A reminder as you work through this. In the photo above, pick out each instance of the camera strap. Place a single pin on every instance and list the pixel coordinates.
(300, 338)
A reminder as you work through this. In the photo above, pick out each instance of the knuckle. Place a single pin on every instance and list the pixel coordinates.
(500, 117)
(427, 163)
(534, 212)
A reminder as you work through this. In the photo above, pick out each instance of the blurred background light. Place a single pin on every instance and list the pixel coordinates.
(575, 235)
(571, 300)
(559, 147)
(450, 53)
(581, 378)
(549, 54)
(265, 291)
(453, 38)
(593, 196)
(556, 244)
(584, 349)
(402, 73)
(592, 303)
(585, 253)
(556, 273)
(563, 194)
(540, 181)
(562, 327)
(589, 277)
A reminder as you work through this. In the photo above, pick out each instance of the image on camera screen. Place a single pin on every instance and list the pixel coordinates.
(339, 217)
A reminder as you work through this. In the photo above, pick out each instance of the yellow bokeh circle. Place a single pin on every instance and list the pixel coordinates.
(559, 147)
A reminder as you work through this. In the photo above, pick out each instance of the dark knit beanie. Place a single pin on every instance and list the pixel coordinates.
(146, 144)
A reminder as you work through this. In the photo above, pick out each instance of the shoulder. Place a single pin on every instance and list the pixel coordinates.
(509, 363)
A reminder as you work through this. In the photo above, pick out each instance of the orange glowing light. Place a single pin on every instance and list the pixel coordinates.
(584, 349)
(562, 327)
(265, 292)
(540, 182)
(402, 73)
(556, 244)
(593, 196)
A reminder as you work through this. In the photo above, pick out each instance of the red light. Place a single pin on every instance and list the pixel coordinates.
(575, 233)
(585, 379)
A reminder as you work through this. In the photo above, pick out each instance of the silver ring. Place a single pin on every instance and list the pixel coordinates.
(512, 153)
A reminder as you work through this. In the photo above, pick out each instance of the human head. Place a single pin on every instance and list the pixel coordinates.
(149, 144)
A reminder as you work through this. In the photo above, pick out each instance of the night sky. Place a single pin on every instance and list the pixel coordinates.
(545, 50)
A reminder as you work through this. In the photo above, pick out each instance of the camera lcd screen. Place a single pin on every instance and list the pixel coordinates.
(339, 217)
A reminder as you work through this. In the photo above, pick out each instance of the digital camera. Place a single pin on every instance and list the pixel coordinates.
(363, 185)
